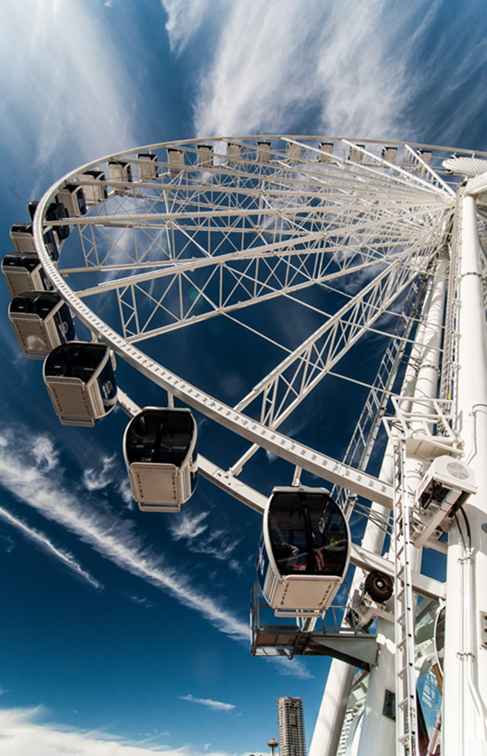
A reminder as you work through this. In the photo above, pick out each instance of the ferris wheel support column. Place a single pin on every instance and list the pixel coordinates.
(465, 686)
(420, 380)
(378, 731)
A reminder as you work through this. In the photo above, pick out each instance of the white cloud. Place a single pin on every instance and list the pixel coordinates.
(71, 82)
(344, 61)
(214, 543)
(45, 455)
(111, 538)
(126, 492)
(46, 545)
(209, 702)
(95, 479)
(24, 735)
(189, 526)
(183, 20)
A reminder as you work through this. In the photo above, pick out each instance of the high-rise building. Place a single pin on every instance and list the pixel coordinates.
(291, 727)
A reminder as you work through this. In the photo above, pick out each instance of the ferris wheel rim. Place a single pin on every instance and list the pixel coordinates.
(233, 419)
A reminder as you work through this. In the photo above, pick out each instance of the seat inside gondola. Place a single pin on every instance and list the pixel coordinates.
(161, 436)
(308, 534)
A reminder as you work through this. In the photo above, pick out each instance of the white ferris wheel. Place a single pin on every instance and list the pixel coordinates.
(379, 244)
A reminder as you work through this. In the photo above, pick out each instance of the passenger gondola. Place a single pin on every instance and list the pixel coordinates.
(263, 152)
(234, 151)
(22, 237)
(147, 165)
(72, 196)
(205, 154)
(119, 170)
(41, 321)
(80, 379)
(389, 153)
(95, 190)
(304, 552)
(175, 159)
(326, 150)
(24, 273)
(56, 211)
(159, 448)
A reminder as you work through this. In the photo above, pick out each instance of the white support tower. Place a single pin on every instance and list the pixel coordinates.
(403, 554)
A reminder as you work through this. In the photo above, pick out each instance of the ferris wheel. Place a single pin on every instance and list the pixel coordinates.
(129, 253)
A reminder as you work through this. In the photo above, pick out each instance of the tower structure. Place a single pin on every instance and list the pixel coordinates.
(291, 727)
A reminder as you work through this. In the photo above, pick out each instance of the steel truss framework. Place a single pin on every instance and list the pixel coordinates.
(350, 230)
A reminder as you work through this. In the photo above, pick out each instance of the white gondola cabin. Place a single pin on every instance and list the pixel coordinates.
(93, 186)
(326, 149)
(147, 165)
(80, 379)
(389, 153)
(72, 196)
(22, 237)
(427, 155)
(119, 170)
(159, 447)
(355, 154)
(293, 151)
(234, 151)
(175, 159)
(41, 321)
(263, 152)
(205, 154)
(305, 551)
(56, 211)
(24, 273)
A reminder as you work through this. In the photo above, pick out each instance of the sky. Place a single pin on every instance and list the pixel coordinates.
(121, 633)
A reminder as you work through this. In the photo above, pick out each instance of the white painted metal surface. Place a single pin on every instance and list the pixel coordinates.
(228, 224)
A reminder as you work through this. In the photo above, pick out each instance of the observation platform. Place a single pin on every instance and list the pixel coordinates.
(351, 645)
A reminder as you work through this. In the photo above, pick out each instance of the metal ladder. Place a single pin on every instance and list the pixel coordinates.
(344, 742)
(403, 549)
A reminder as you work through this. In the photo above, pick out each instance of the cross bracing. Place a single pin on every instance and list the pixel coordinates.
(208, 239)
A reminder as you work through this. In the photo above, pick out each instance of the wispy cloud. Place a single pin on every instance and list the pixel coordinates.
(189, 526)
(183, 20)
(45, 454)
(336, 63)
(89, 107)
(97, 478)
(110, 537)
(41, 540)
(341, 67)
(126, 493)
(210, 703)
(201, 538)
(25, 732)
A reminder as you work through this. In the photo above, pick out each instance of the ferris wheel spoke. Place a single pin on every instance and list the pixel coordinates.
(229, 289)
(299, 373)
(427, 170)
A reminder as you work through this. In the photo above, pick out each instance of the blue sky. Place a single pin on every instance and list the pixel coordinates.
(122, 633)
